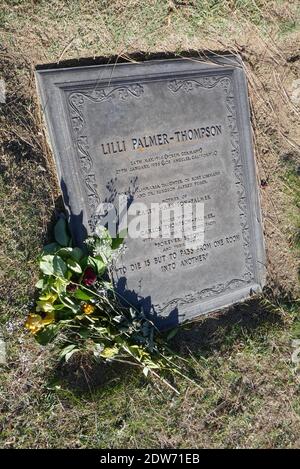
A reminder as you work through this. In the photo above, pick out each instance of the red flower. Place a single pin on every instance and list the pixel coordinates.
(89, 277)
(72, 287)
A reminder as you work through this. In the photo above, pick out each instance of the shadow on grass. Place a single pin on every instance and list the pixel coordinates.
(222, 330)
(84, 374)
(219, 332)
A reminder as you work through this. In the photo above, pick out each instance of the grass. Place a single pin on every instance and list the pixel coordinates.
(249, 388)
(292, 182)
(248, 398)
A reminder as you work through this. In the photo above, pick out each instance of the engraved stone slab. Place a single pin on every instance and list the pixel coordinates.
(170, 131)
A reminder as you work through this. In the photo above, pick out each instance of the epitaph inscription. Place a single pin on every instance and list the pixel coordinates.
(172, 131)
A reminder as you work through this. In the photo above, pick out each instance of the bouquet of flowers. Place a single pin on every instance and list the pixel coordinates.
(78, 308)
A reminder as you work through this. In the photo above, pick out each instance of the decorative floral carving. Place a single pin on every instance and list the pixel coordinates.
(226, 84)
(190, 85)
(77, 101)
(85, 158)
(119, 92)
(205, 293)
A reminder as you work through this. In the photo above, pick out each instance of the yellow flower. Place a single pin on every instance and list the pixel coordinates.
(49, 297)
(48, 318)
(88, 308)
(46, 302)
(109, 352)
(35, 322)
(44, 306)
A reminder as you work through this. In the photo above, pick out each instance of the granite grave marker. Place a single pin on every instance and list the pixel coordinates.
(167, 131)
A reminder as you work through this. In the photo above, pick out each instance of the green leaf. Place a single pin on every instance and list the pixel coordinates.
(68, 355)
(102, 330)
(67, 252)
(59, 307)
(64, 252)
(61, 232)
(68, 351)
(77, 254)
(39, 284)
(59, 266)
(59, 285)
(116, 242)
(172, 333)
(98, 264)
(47, 334)
(109, 352)
(64, 315)
(50, 248)
(84, 262)
(46, 264)
(82, 295)
(74, 266)
(84, 333)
